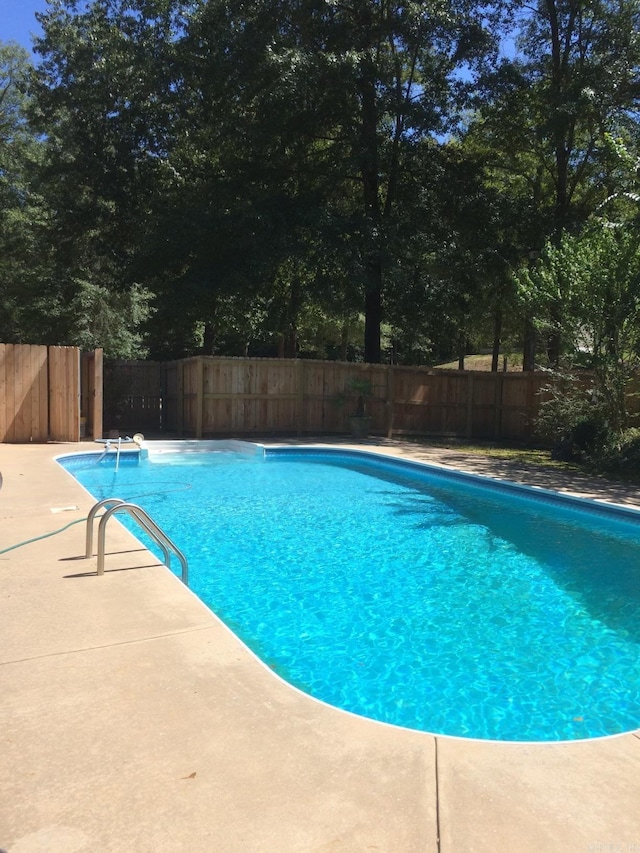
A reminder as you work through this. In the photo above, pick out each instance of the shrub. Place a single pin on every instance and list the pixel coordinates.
(573, 418)
(622, 455)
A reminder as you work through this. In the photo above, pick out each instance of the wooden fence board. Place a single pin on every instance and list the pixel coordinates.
(96, 394)
(40, 405)
(64, 394)
(22, 366)
(11, 393)
(23, 388)
(4, 414)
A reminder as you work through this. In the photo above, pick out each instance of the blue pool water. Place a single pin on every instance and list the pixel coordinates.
(406, 595)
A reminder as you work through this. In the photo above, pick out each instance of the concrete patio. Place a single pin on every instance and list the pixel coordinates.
(132, 720)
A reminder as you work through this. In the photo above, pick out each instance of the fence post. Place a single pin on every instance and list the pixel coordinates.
(531, 410)
(180, 397)
(498, 398)
(199, 395)
(389, 402)
(469, 426)
(97, 402)
(299, 396)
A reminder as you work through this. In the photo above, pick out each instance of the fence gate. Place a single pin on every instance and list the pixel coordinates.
(24, 393)
(40, 393)
(133, 396)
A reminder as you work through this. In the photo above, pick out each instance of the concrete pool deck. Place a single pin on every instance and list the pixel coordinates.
(132, 720)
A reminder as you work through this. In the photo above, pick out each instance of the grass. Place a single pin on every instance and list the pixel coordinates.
(483, 362)
(530, 456)
(514, 453)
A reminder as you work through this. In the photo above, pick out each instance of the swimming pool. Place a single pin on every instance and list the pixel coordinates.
(395, 590)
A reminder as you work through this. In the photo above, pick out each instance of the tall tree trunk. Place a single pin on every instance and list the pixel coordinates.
(209, 338)
(497, 339)
(529, 346)
(564, 131)
(462, 350)
(554, 344)
(370, 174)
(373, 315)
(290, 337)
(344, 339)
(290, 342)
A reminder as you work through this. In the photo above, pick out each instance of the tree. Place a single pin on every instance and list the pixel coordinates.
(324, 105)
(596, 276)
(94, 102)
(262, 171)
(546, 114)
(21, 262)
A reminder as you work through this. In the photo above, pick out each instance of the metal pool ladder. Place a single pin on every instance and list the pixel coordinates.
(145, 521)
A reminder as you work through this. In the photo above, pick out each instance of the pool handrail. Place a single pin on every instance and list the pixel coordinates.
(145, 521)
(88, 551)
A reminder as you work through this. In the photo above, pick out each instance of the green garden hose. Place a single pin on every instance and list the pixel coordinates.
(44, 536)
(182, 487)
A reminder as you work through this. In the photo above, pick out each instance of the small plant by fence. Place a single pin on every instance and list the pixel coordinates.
(207, 396)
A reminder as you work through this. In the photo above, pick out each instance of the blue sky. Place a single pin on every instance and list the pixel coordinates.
(17, 20)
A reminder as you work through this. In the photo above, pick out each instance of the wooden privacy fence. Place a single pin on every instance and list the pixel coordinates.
(209, 396)
(48, 393)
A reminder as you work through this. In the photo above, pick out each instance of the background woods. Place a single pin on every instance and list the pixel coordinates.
(365, 180)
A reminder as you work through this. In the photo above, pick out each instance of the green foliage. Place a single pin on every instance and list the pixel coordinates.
(221, 147)
(596, 276)
(546, 127)
(573, 418)
(621, 456)
(363, 390)
(99, 317)
(358, 392)
(21, 214)
(308, 179)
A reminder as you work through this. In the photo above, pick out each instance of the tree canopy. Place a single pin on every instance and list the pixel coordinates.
(363, 179)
